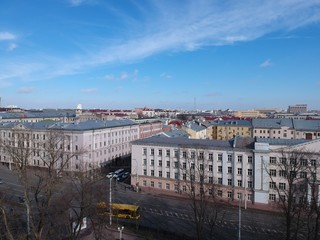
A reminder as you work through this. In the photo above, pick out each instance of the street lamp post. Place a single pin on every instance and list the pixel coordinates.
(110, 201)
(120, 229)
(137, 182)
(240, 198)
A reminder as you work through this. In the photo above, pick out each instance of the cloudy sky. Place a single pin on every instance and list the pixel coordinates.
(163, 54)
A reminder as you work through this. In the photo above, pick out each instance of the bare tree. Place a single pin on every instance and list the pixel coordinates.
(195, 181)
(290, 176)
(39, 160)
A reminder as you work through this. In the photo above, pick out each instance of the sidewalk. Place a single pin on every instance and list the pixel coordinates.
(111, 233)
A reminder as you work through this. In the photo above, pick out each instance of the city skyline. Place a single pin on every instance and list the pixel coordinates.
(160, 54)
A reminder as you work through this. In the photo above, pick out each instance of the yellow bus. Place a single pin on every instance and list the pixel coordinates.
(127, 211)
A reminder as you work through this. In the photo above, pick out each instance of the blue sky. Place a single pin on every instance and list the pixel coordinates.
(161, 54)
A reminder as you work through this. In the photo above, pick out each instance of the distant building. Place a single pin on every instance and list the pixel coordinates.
(228, 129)
(101, 140)
(195, 130)
(298, 108)
(239, 166)
(249, 114)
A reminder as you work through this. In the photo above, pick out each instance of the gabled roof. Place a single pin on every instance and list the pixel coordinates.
(272, 123)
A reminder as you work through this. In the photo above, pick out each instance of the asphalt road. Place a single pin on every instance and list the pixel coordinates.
(174, 217)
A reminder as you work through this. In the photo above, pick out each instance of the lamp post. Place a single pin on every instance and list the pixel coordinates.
(120, 229)
(110, 201)
(137, 182)
(240, 198)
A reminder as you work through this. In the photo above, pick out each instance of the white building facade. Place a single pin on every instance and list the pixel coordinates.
(98, 141)
(240, 167)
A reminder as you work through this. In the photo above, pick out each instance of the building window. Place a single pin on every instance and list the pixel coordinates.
(283, 161)
(250, 197)
(201, 167)
(184, 165)
(250, 159)
(160, 163)
(272, 197)
(160, 152)
(240, 171)
(229, 194)
(229, 169)
(152, 172)
(152, 151)
(144, 151)
(219, 193)
(152, 162)
(184, 154)
(168, 174)
(184, 188)
(168, 153)
(160, 173)
(144, 162)
(167, 186)
(193, 155)
(152, 183)
(239, 183)
(273, 160)
(192, 166)
(210, 191)
(303, 174)
(250, 172)
(273, 173)
(176, 175)
(144, 171)
(219, 168)
(220, 157)
(184, 176)
(159, 184)
(229, 158)
(313, 162)
(210, 156)
(240, 158)
(201, 155)
(250, 185)
(272, 185)
(282, 173)
(176, 153)
(229, 182)
(303, 162)
(219, 180)
(144, 183)
(210, 168)
(282, 186)
(210, 179)
(168, 163)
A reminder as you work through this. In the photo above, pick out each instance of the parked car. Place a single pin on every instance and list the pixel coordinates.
(125, 175)
(110, 175)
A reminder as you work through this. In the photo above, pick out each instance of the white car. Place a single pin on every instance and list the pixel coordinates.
(110, 175)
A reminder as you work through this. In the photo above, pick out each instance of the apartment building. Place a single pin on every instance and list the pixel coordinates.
(228, 129)
(195, 130)
(101, 141)
(239, 167)
(286, 128)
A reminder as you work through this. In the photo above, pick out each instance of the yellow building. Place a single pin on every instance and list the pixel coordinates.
(228, 129)
(249, 114)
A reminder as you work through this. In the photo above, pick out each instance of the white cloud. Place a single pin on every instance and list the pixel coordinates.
(12, 46)
(266, 63)
(169, 27)
(109, 77)
(89, 90)
(165, 75)
(26, 90)
(6, 36)
(124, 76)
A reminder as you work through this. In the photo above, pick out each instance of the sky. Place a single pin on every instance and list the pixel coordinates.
(170, 54)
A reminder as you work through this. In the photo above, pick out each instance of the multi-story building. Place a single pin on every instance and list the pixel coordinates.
(249, 114)
(286, 128)
(241, 167)
(195, 130)
(298, 108)
(228, 129)
(99, 141)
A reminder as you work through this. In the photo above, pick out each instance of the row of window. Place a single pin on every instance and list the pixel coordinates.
(292, 161)
(200, 156)
(185, 188)
(284, 173)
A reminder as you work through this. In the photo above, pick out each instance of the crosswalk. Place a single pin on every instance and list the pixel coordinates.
(223, 224)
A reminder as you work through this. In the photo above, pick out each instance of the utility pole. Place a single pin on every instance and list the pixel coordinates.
(240, 215)
(110, 201)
